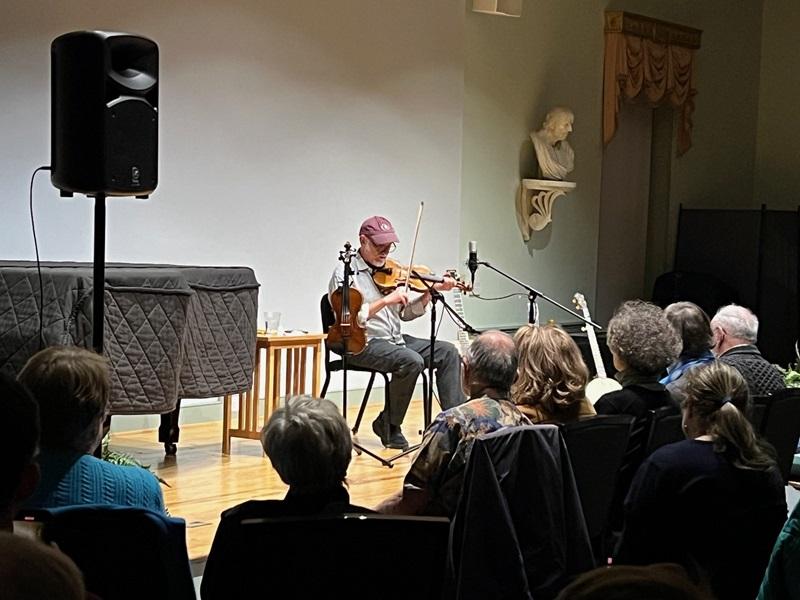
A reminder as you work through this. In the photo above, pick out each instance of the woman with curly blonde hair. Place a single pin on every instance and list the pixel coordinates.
(551, 376)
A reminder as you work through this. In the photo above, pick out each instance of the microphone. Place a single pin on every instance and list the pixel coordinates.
(472, 263)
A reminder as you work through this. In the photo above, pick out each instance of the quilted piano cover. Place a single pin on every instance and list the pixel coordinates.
(170, 331)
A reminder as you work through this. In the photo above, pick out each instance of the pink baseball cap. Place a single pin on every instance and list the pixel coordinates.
(379, 230)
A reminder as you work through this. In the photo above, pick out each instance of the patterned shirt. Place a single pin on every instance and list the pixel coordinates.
(385, 324)
(441, 460)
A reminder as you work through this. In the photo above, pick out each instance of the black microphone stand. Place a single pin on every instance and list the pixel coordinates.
(427, 400)
(533, 294)
(438, 297)
(346, 256)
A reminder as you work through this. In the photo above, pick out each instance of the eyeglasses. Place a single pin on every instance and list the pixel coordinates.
(388, 248)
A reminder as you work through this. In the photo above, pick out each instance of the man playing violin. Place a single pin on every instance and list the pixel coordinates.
(388, 349)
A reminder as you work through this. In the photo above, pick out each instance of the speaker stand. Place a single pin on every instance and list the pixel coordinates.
(99, 272)
(98, 289)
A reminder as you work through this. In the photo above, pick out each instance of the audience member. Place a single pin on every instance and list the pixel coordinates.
(782, 580)
(433, 483)
(31, 570)
(735, 330)
(551, 376)
(662, 581)
(714, 502)
(71, 386)
(694, 327)
(309, 445)
(642, 344)
(19, 472)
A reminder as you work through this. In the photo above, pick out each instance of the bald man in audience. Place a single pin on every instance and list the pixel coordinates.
(434, 481)
(735, 331)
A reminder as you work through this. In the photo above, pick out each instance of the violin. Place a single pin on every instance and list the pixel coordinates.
(346, 334)
(393, 274)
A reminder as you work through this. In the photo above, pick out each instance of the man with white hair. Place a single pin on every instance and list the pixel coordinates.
(735, 331)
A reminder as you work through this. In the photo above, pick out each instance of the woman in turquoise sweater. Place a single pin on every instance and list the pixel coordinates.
(72, 386)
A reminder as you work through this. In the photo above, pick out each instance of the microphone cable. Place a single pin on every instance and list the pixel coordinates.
(36, 248)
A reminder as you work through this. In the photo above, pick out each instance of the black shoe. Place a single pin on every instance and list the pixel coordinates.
(395, 440)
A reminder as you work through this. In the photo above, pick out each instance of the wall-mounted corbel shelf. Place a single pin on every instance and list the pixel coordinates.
(503, 8)
(535, 203)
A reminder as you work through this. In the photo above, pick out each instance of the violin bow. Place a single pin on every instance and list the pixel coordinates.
(414, 245)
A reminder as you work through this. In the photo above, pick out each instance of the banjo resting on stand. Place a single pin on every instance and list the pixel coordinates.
(601, 384)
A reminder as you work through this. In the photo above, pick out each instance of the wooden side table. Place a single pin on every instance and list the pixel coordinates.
(289, 349)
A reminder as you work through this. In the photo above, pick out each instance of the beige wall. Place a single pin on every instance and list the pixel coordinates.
(516, 69)
(777, 176)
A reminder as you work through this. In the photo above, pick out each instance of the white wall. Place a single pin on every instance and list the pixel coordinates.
(282, 126)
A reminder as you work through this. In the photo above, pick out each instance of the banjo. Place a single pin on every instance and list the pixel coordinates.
(601, 384)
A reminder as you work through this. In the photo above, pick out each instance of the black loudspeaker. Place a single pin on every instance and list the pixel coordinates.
(104, 114)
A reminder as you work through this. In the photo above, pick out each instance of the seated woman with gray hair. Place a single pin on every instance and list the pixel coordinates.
(309, 445)
(642, 344)
(714, 502)
(72, 386)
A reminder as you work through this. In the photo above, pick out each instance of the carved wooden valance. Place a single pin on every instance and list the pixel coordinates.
(650, 61)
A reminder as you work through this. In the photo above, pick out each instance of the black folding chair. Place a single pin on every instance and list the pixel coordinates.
(314, 557)
(780, 426)
(666, 427)
(334, 365)
(124, 553)
(596, 448)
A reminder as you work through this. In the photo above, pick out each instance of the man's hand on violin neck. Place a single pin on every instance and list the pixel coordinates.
(448, 284)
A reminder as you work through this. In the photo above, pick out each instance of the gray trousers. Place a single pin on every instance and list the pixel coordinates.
(405, 363)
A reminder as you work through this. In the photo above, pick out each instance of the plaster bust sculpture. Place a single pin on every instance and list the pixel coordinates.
(553, 152)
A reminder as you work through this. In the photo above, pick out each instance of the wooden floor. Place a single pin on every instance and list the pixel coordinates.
(203, 482)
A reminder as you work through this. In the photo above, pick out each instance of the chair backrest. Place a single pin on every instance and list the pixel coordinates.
(781, 426)
(326, 312)
(666, 427)
(596, 448)
(123, 552)
(758, 410)
(314, 557)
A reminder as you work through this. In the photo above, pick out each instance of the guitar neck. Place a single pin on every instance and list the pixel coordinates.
(599, 367)
(458, 306)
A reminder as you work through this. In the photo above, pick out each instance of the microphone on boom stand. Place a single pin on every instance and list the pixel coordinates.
(472, 263)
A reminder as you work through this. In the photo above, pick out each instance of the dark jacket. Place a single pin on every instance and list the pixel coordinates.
(690, 505)
(519, 530)
(639, 395)
(761, 376)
